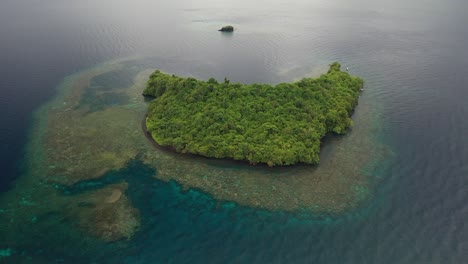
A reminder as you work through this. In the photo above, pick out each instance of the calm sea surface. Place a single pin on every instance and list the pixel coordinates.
(412, 54)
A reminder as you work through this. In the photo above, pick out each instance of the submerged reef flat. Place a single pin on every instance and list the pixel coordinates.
(259, 123)
(72, 143)
(76, 146)
(105, 213)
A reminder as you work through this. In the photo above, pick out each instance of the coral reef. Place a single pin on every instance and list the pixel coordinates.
(73, 142)
(105, 213)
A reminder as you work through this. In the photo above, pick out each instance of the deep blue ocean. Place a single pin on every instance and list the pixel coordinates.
(412, 55)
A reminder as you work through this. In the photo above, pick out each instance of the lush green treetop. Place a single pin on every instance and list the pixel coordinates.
(261, 123)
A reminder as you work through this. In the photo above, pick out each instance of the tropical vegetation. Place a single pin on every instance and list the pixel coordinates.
(261, 123)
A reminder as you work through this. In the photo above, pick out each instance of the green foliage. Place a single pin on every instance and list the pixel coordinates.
(276, 125)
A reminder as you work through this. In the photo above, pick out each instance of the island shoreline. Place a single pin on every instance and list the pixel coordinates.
(328, 138)
(207, 160)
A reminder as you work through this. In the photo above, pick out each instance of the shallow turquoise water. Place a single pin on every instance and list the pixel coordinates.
(187, 226)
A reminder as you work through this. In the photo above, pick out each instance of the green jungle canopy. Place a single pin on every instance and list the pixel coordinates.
(260, 123)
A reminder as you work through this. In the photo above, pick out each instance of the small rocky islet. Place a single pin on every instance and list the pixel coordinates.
(227, 29)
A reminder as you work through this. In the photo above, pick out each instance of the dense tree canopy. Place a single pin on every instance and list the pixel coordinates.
(261, 123)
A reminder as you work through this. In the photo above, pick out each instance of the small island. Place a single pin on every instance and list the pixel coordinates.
(258, 123)
(227, 29)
